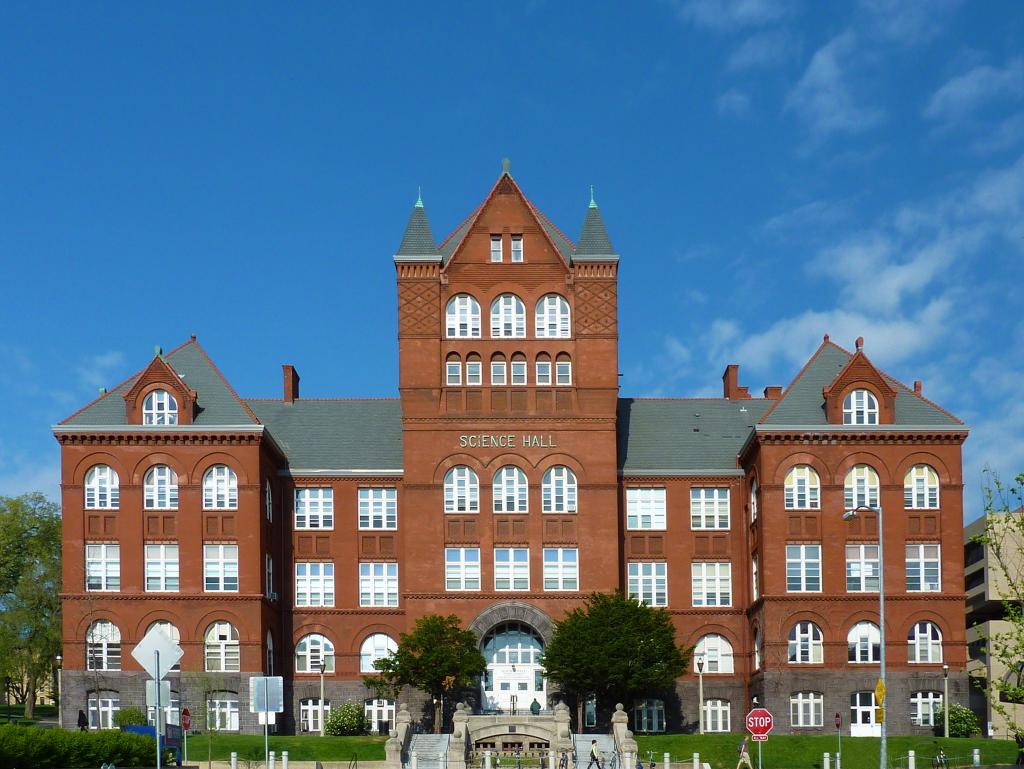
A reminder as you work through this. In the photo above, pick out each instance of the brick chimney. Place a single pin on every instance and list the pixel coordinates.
(731, 384)
(918, 387)
(773, 392)
(291, 383)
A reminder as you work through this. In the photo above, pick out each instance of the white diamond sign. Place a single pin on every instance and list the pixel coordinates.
(266, 694)
(153, 644)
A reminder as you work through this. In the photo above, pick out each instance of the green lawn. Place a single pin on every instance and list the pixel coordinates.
(805, 752)
(17, 712)
(304, 748)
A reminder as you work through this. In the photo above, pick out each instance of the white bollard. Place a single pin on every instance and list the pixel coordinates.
(487, 759)
(551, 758)
(627, 760)
(284, 759)
(667, 761)
(696, 761)
(234, 760)
(271, 760)
(825, 761)
(839, 760)
(413, 762)
(976, 757)
(911, 760)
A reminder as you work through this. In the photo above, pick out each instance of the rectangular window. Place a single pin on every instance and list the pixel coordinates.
(314, 584)
(543, 372)
(755, 583)
(648, 582)
(862, 568)
(926, 708)
(645, 508)
(496, 254)
(511, 568)
(378, 584)
(563, 373)
(461, 568)
(709, 508)
(453, 373)
(498, 373)
(561, 568)
(378, 508)
(923, 573)
(519, 372)
(222, 715)
(806, 708)
(220, 568)
(712, 584)
(103, 568)
(102, 710)
(314, 508)
(517, 248)
(474, 373)
(161, 568)
(803, 568)
(649, 716)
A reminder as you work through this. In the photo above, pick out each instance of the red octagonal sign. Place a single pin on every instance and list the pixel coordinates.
(186, 720)
(759, 723)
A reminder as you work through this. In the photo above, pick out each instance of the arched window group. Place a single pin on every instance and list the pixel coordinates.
(806, 643)
(861, 488)
(160, 489)
(510, 490)
(552, 317)
(471, 372)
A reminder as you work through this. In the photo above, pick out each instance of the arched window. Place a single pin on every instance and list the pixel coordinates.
(499, 373)
(160, 408)
(552, 317)
(462, 317)
(102, 488)
(453, 370)
(171, 631)
(221, 650)
(270, 653)
(474, 370)
(103, 646)
(563, 370)
(310, 651)
(925, 642)
(461, 490)
(758, 648)
(716, 651)
(803, 488)
(864, 643)
(558, 490)
(508, 317)
(160, 488)
(220, 488)
(921, 488)
(860, 407)
(268, 501)
(806, 644)
(861, 488)
(754, 499)
(510, 490)
(376, 647)
(543, 369)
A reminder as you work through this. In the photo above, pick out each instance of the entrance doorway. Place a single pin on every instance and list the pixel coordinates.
(862, 715)
(514, 677)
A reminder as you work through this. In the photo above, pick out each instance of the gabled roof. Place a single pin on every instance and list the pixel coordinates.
(418, 240)
(803, 403)
(217, 404)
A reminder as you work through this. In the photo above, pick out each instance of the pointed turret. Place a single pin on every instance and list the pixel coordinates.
(594, 243)
(418, 242)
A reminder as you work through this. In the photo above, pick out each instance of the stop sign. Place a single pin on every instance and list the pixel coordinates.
(186, 719)
(759, 723)
(839, 722)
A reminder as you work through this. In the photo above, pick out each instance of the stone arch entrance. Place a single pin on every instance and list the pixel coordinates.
(512, 638)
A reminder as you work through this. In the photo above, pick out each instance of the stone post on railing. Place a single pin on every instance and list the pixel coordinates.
(563, 732)
(460, 737)
(911, 760)
(398, 737)
(624, 742)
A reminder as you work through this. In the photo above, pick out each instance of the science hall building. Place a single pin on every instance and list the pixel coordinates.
(509, 480)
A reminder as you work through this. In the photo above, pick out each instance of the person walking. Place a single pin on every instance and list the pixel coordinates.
(744, 754)
(1019, 739)
(83, 722)
(595, 756)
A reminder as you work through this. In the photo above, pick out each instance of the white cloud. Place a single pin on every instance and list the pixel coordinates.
(733, 103)
(962, 95)
(22, 474)
(98, 370)
(909, 22)
(1005, 135)
(822, 97)
(729, 15)
(808, 218)
(760, 50)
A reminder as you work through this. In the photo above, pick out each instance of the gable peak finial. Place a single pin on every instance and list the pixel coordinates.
(593, 203)
(859, 343)
(506, 167)
(419, 197)
(826, 338)
(159, 351)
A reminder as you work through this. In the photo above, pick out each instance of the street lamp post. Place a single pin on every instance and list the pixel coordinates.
(847, 516)
(700, 692)
(945, 700)
(60, 703)
(323, 669)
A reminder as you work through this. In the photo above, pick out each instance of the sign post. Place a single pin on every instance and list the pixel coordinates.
(157, 654)
(186, 724)
(266, 697)
(839, 736)
(759, 723)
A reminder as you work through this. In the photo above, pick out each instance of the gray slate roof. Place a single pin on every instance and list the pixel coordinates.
(803, 403)
(684, 435)
(217, 402)
(594, 240)
(335, 434)
(418, 239)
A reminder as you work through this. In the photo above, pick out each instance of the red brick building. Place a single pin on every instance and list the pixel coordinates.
(507, 481)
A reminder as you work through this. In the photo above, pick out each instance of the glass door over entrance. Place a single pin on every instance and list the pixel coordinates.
(862, 715)
(514, 677)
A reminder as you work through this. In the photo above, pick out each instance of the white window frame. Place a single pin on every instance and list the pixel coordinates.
(862, 708)
(376, 646)
(511, 569)
(102, 488)
(563, 372)
(862, 567)
(462, 569)
(378, 583)
(709, 508)
(861, 487)
(711, 583)
(863, 644)
(645, 508)
(314, 583)
(717, 653)
(806, 709)
(377, 710)
(508, 317)
(172, 711)
(518, 368)
(517, 253)
(221, 649)
(510, 491)
(552, 317)
(378, 508)
(924, 571)
(162, 567)
(558, 490)
(462, 317)
(102, 710)
(803, 568)
(806, 644)
(220, 567)
(860, 407)
(453, 372)
(309, 714)
(497, 249)
(647, 582)
(102, 567)
(924, 649)
(160, 488)
(314, 507)
(499, 373)
(474, 372)
(925, 707)
(461, 490)
(310, 650)
(921, 488)
(222, 713)
(717, 715)
(754, 500)
(159, 408)
(220, 488)
(543, 371)
(802, 490)
(561, 569)
(103, 646)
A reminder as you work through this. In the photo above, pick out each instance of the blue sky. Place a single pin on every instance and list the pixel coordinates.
(769, 170)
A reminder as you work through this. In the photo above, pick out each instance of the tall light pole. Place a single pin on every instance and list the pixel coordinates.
(848, 516)
(60, 704)
(945, 700)
(700, 692)
(323, 668)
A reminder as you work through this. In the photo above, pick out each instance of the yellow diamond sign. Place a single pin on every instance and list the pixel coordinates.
(879, 692)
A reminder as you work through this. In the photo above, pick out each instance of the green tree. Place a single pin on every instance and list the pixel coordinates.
(130, 716)
(346, 719)
(962, 721)
(437, 657)
(30, 572)
(614, 649)
(1004, 543)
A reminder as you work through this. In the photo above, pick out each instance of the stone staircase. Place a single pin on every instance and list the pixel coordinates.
(431, 750)
(605, 746)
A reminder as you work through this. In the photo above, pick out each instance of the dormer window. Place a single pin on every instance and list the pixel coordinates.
(517, 248)
(860, 408)
(160, 408)
(496, 253)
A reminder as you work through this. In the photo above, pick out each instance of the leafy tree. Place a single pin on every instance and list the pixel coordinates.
(348, 719)
(962, 721)
(614, 649)
(1004, 542)
(436, 657)
(30, 572)
(130, 716)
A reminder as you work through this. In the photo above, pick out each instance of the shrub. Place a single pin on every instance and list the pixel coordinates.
(345, 719)
(130, 716)
(22, 746)
(962, 721)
